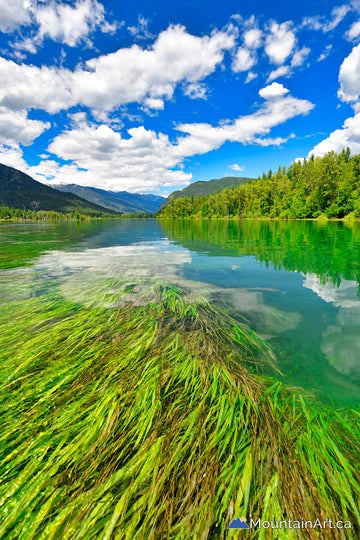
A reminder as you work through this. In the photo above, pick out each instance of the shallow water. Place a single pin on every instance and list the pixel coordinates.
(296, 283)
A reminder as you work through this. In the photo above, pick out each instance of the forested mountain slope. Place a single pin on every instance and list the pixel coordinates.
(19, 190)
(200, 189)
(328, 186)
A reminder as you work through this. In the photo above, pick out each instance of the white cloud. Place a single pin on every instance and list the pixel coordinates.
(338, 14)
(273, 91)
(145, 160)
(313, 23)
(13, 157)
(16, 127)
(325, 53)
(154, 103)
(323, 23)
(56, 20)
(354, 31)
(141, 162)
(26, 44)
(195, 90)
(280, 42)
(26, 86)
(70, 25)
(236, 167)
(300, 56)
(282, 71)
(250, 77)
(141, 30)
(348, 136)
(244, 60)
(253, 38)
(14, 13)
(349, 76)
(249, 129)
(176, 57)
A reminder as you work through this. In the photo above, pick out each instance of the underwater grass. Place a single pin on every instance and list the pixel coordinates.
(151, 422)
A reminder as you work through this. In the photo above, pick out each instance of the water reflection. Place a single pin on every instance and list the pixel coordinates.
(296, 283)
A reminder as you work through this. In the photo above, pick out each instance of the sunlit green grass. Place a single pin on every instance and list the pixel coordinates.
(152, 421)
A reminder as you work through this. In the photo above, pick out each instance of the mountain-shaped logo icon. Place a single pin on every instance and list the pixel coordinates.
(238, 523)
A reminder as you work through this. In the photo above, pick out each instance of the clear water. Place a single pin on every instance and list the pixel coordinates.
(296, 283)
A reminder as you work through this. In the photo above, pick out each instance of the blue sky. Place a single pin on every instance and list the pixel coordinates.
(151, 96)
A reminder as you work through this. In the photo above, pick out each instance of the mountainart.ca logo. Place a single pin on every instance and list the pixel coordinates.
(238, 523)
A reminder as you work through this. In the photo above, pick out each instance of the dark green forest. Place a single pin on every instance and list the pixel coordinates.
(326, 186)
(41, 215)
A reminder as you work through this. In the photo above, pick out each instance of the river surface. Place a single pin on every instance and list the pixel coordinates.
(295, 283)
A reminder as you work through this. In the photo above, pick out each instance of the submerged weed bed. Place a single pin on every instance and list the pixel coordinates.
(152, 421)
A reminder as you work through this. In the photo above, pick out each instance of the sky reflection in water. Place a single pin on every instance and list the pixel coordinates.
(310, 319)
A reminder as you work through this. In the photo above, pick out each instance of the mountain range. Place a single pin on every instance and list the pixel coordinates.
(119, 201)
(19, 190)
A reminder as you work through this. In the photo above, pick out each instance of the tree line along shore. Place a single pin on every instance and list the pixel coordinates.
(321, 187)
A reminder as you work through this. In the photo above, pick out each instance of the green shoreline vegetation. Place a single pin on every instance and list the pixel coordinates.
(322, 188)
(153, 420)
(17, 214)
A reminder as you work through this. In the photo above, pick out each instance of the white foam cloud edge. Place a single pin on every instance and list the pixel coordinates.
(98, 155)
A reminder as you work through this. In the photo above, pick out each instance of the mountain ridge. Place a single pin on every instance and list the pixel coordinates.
(19, 190)
(201, 188)
(118, 201)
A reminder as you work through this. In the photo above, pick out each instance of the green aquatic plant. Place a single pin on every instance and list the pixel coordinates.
(152, 421)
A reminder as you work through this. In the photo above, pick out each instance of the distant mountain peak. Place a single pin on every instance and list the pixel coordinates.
(118, 201)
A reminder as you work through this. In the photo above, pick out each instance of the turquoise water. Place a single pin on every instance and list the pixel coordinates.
(295, 283)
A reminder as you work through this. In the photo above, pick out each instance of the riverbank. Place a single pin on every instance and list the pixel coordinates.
(153, 420)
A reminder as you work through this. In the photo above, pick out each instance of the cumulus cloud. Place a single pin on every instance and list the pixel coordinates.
(27, 86)
(244, 60)
(236, 167)
(280, 42)
(144, 160)
(59, 21)
(253, 38)
(154, 103)
(70, 25)
(175, 57)
(348, 136)
(349, 76)
(18, 128)
(273, 91)
(13, 157)
(14, 13)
